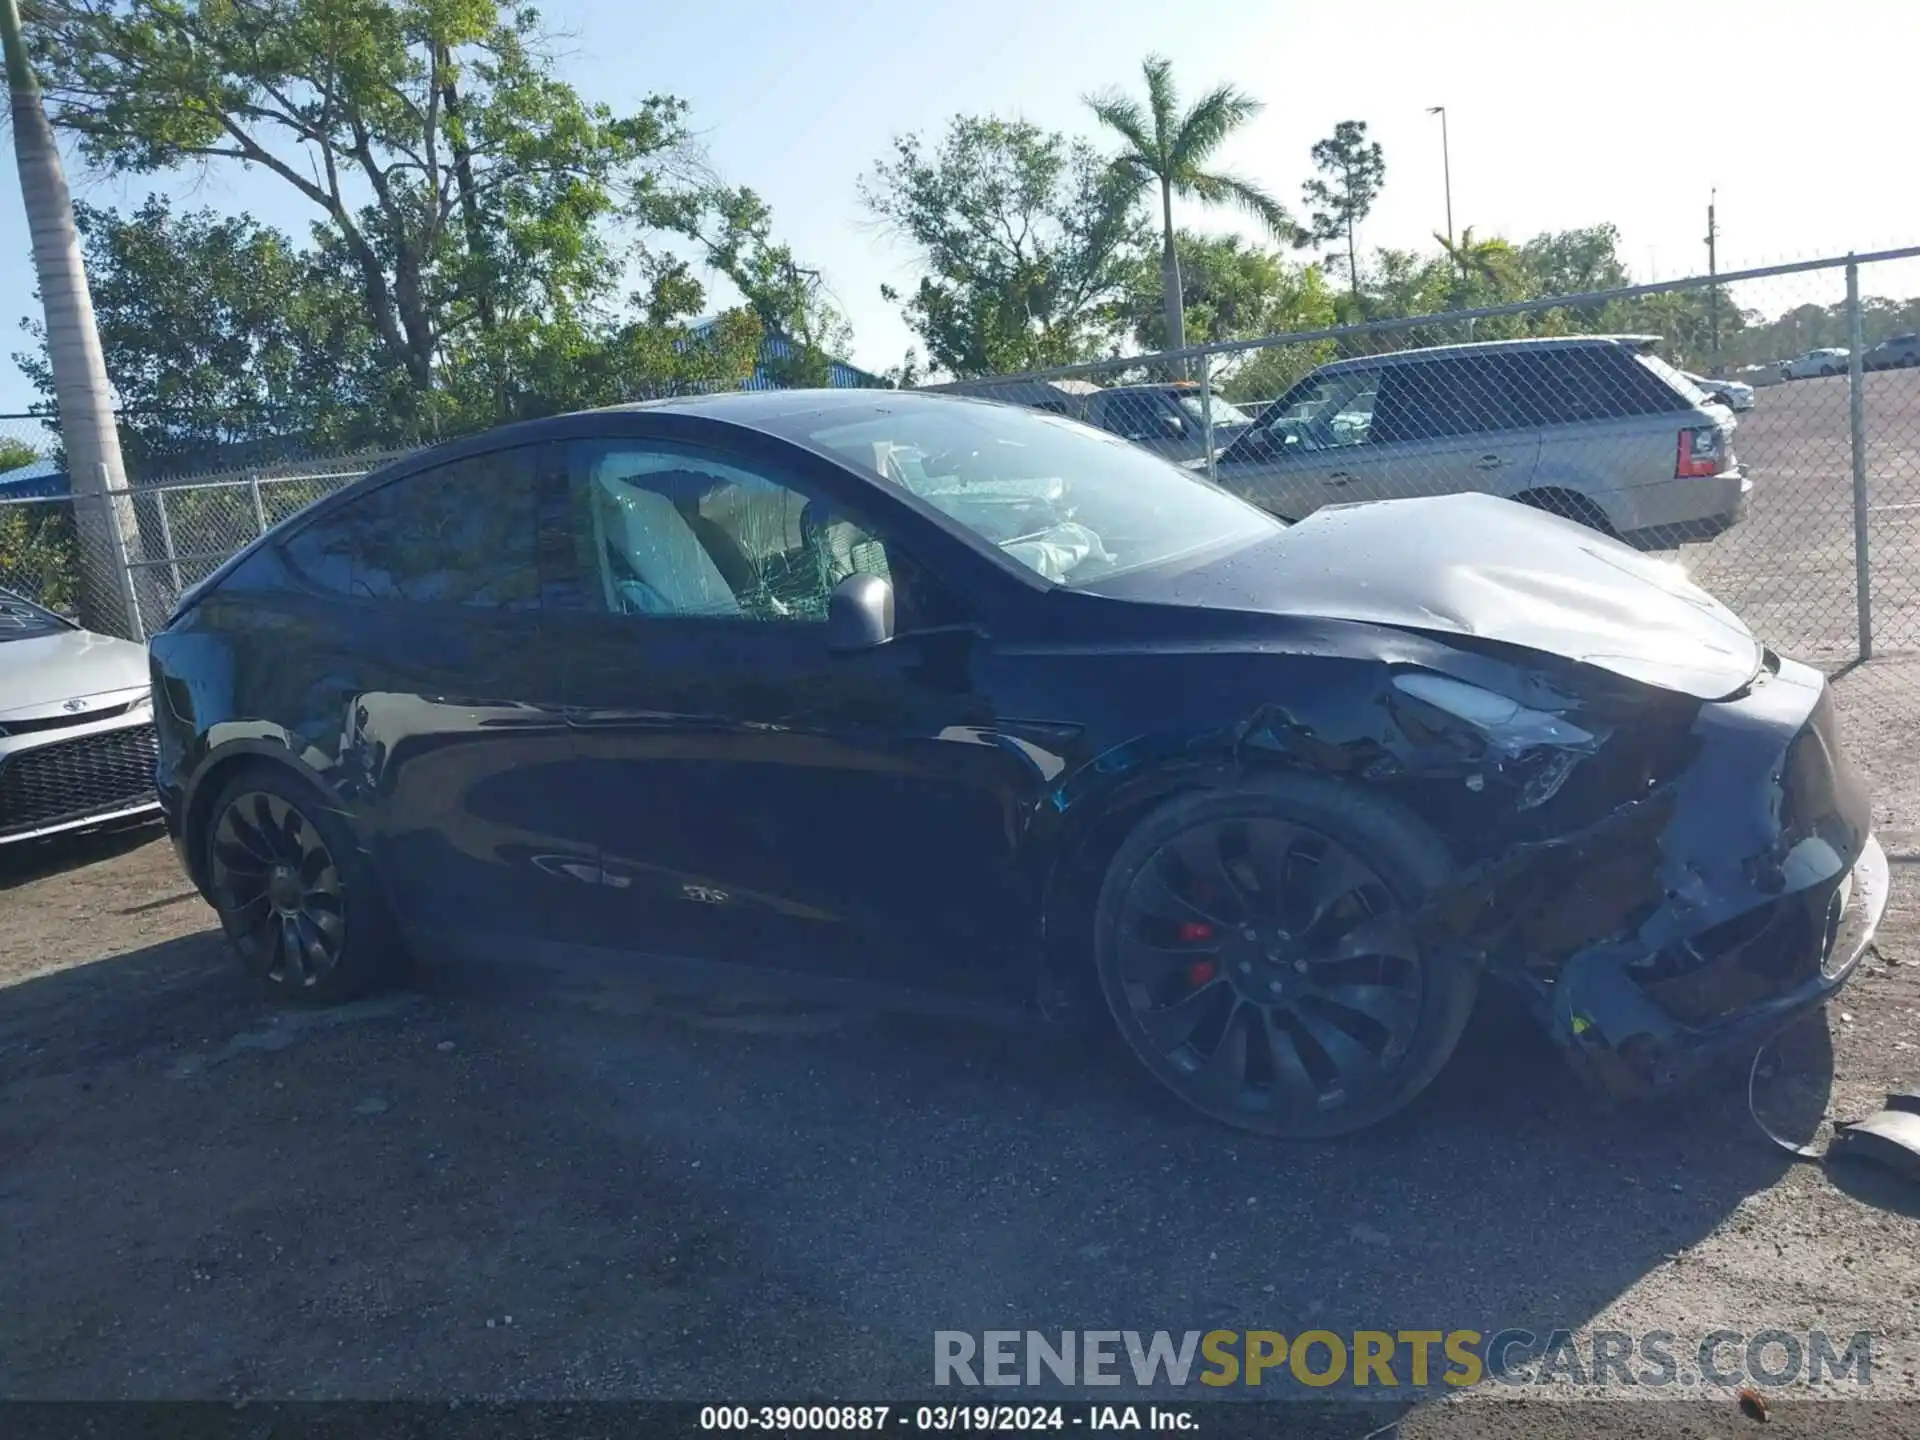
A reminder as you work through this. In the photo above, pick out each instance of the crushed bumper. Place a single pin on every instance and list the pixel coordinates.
(1693, 923)
(1664, 1055)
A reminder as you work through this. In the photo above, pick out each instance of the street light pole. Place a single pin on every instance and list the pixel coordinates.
(1446, 169)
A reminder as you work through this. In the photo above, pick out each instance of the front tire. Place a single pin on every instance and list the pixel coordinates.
(293, 894)
(1255, 949)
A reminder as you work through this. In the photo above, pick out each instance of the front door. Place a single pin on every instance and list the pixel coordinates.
(1314, 451)
(758, 799)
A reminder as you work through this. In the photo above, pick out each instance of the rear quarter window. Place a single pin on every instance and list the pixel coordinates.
(1581, 384)
(456, 534)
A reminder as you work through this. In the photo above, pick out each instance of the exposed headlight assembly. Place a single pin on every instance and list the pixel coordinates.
(1510, 728)
(1507, 724)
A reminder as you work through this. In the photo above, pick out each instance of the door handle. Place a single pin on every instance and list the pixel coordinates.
(1341, 477)
(1489, 462)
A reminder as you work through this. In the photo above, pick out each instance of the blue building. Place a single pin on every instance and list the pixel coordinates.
(38, 480)
(775, 348)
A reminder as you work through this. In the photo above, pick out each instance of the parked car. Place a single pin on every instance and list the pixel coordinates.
(76, 725)
(1169, 419)
(1733, 394)
(941, 702)
(1596, 428)
(1829, 361)
(1893, 353)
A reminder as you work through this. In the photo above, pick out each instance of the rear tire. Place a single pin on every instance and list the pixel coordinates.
(294, 894)
(1254, 950)
(1569, 506)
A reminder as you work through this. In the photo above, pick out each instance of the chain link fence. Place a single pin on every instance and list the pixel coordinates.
(1760, 429)
(164, 535)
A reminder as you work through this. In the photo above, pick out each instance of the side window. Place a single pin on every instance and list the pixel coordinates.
(1441, 399)
(1329, 413)
(458, 534)
(1137, 415)
(1581, 384)
(670, 533)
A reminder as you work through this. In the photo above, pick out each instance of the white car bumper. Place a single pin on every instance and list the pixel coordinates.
(56, 777)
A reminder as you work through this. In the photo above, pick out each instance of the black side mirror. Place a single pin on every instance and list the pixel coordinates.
(1174, 426)
(860, 613)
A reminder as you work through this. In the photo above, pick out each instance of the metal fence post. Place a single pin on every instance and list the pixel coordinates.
(259, 506)
(1857, 420)
(166, 537)
(122, 559)
(1206, 410)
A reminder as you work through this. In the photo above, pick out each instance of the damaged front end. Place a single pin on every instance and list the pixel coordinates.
(1666, 881)
(1701, 917)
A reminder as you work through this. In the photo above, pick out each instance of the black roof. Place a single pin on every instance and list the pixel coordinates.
(790, 414)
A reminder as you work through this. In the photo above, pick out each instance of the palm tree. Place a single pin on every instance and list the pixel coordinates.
(104, 520)
(1493, 263)
(1168, 150)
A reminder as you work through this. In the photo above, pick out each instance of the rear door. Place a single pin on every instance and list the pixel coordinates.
(424, 612)
(1609, 431)
(1443, 426)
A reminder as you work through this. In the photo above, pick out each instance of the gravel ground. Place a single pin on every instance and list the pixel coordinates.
(492, 1185)
(1788, 567)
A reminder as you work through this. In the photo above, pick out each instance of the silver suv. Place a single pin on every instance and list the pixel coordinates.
(1596, 428)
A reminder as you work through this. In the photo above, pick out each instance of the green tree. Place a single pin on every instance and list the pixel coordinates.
(1352, 171)
(1028, 243)
(1168, 151)
(218, 330)
(789, 299)
(38, 557)
(480, 210)
(1575, 262)
(1235, 290)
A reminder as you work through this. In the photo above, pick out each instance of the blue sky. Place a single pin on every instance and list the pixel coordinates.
(1560, 115)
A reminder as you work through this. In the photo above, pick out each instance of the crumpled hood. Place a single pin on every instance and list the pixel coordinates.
(39, 674)
(1479, 565)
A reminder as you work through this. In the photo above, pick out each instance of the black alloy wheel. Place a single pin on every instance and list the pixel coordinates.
(1264, 965)
(278, 890)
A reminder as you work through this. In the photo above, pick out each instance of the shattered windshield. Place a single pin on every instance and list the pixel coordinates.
(1071, 503)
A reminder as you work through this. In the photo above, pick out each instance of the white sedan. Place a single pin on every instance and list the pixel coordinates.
(1730, 393)
(1815, 362)
(77, 744)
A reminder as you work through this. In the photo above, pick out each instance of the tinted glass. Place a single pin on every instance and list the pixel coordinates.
(1140, 415)
(459, 534)
(1071, 503)
(1461, 395)
(1582, 384)
(21, 619)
